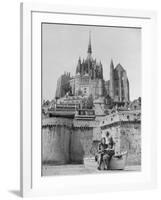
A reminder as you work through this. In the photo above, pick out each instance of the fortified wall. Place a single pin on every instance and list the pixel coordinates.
(125, 127)
(70, 140)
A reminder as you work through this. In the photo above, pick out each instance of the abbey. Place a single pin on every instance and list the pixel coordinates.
(89, 80)
(72, 126)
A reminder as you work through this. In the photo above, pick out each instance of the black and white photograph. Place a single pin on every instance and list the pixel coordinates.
(91, 99)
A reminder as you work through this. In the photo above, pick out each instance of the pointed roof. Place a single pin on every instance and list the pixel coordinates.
(89, 44)
(78, 69)
(111, 64)
(119, 67)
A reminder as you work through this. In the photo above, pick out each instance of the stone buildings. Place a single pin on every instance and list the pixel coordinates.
(70, 132)
(89, 80)
(68, 140)
(63, 85)
(118, 84)
(89, 76)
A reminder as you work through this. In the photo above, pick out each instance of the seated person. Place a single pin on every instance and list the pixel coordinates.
(108, 153)
(102, 146)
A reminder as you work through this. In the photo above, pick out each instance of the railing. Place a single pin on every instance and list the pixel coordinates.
(85, 112)
(61, 107)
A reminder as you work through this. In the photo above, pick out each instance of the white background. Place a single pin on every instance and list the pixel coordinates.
(9, 101)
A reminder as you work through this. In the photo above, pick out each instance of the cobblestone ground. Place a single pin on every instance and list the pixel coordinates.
(48, 170)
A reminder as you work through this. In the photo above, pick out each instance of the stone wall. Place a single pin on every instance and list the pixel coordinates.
(63, 143)
(55, 141)
(69, 140)
(127, 137)
(81, 144)
(96, 87)
(92, 86)
(130, 140)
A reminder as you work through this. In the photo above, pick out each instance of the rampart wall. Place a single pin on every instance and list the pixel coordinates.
(68, 141)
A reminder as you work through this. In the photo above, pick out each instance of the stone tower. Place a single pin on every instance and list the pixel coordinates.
(112, 79)
(89, 75)
(121, 84)
(62, 85)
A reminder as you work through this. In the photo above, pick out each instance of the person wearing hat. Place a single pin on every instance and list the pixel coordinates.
(102, 146)
(108, 153)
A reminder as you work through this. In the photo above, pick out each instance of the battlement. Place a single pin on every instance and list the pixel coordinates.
(85, 124)
(55, 121)
(118, 117)
(103, 122)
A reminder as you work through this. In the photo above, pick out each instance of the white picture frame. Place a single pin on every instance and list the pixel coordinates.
(32, 184)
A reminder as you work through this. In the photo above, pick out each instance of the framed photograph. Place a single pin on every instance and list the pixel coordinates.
(88, 79)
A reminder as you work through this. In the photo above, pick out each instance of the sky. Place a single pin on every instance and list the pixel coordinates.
(63, 44)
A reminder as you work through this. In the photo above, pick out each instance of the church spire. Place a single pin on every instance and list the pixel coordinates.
(111, 65)
(89, 45)
(112, 79)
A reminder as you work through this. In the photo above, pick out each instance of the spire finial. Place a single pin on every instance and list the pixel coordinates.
(112, 65)
(89, 44)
